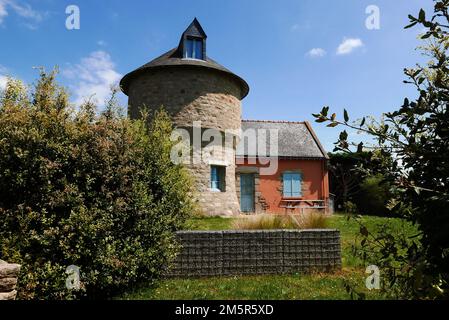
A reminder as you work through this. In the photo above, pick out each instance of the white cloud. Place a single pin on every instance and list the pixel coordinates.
(22, 9)
(316, 53)
(92, 77)
(3, 81)
(3, 11)
(348, 45)
(101, 43)
(3, 78)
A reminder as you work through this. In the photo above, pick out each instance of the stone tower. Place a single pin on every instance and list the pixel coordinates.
(196, 91)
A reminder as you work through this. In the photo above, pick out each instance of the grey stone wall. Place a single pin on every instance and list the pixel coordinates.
(189, 94)
(8, 280)
(221, 253)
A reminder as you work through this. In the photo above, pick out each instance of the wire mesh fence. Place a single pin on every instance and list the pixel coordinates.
(239, 252)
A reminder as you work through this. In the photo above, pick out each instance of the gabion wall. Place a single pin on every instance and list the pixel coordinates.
(218, 253)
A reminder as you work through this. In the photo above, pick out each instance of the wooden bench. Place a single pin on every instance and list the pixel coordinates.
(296, 204)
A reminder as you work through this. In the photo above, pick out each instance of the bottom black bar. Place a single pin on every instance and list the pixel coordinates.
(260, 309)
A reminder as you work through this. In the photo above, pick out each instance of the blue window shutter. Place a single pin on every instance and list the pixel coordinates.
(296, 185)
(291, 185)
(287, 185)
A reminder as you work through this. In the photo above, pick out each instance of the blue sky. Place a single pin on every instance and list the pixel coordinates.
(296, 55)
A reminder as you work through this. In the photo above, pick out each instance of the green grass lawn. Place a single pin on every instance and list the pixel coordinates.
(296, 286)
(270, 287)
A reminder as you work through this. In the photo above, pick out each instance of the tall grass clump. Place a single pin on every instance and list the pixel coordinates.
(310, 220)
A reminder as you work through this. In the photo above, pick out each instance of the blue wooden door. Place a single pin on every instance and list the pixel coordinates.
(247, 192)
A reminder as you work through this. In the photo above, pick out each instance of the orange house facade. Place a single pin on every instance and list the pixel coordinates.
(298, 181)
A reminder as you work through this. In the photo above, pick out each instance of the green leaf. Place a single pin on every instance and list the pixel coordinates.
(346, 116)
(411, 25)
(422, 15)
(406, 102)
(333, 116)
(343, 135)
(360, 147)
(333, 124)
(363, 122)
(418, 71)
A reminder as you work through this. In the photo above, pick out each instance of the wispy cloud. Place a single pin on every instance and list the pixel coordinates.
(3, 11)
(3, 69)
(304, 25)
(92, 77)
(349, 45)
(23, 10)
(3, 81)
(295, 27)
(316, 53)
(3, 78)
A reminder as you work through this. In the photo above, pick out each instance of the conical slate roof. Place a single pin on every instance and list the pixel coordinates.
(174, 58)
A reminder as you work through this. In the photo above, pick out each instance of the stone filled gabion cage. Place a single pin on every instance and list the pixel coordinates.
(257, 252)
(195, 92)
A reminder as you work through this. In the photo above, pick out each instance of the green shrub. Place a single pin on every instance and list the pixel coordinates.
(350, 207)
(374, 195)
(78, 188)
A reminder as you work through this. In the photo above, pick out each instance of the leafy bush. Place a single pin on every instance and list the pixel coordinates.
(350, 207)
(357, 179)
(416, 135)
(78, 188)
(310, 220)
(374, 195)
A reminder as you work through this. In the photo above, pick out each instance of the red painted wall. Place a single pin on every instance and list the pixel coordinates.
(315, 183)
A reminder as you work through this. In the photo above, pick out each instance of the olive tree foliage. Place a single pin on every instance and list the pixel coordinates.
(79, 187)
(417, 136)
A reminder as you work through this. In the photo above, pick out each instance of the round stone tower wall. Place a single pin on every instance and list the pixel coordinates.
(192, 94)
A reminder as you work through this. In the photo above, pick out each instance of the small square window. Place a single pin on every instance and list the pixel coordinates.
(217, 178)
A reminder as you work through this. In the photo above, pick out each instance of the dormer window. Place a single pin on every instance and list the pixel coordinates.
(193, 42)
(193, 48)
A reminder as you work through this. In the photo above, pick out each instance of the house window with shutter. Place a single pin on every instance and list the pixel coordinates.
(291, 184)
(217, 178)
